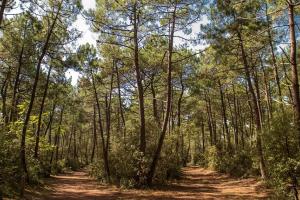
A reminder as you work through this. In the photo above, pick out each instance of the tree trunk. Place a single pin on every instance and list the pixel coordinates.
(154, 101)
(13, 111)
(268, 95)
(293, 60)
(37, 140)
(50, 118)
(224, 116)
(105, 158)
(108, 115)
(94, 133)
(120, 100)
(203, 135)
(179, 102)
(274, 62)
(3, 96)
(2, 8)
(255, 109)
(236, 117)
(169, 100)
(209, 120)
(56, 137)
(30, 106)
(139, 80)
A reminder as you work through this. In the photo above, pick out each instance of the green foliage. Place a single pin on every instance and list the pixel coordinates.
(236, 164)
(9, 171)
(130, 169)
(282, 156)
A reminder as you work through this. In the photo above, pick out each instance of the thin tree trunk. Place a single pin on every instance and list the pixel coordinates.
(105, 159)
(50, 118)
(224, 116)
(13, 111)
(255, 109)
(203, 135)
(209, 121)
(3, 96)
(179, 102)
(169, 101)
(94, 133)
(108, 115)
(37, 140)
(274, 62)
(154, 101)
(120, 100)
(30, 106)
(139, 80)
(56, 137)
(2, 8)
(268, 95)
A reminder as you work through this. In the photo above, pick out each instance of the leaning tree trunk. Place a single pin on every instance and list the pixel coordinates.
(37, 140)
(13, 111)
(255, 108)
(105, 158)
(169, 100)
(30, 106)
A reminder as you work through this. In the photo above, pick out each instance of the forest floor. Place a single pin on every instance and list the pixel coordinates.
(196, 183)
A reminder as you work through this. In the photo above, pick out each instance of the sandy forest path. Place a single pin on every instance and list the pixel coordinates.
(197, 183)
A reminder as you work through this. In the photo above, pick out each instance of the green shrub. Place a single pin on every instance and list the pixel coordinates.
(236, 164)
(130, 169)
(282, 155)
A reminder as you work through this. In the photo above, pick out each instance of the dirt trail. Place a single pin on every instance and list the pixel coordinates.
(197, 183)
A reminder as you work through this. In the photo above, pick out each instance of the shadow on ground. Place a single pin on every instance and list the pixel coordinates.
(197, 183)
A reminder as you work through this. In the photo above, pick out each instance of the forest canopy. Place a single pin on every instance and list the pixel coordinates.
(168, 83)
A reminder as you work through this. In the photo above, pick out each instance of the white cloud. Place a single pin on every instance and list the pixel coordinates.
(70, 73)
(88, 4)
(87, 37)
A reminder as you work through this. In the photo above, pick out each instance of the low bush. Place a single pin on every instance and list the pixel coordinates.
(234, 163)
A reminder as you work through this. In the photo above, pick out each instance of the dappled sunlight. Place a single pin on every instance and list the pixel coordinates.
(196, 183)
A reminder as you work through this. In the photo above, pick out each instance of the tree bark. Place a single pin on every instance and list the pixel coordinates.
(179, 102)
(169, 100)
(3, 96)
(50, 118)
(293, 60)
(254, 107)
(105, 158)
(120, 100)
(94, 133)
(209, 120)
(274, 62)
(139, 79)
(37, 140)
(13, 111)
(224, 116)
(30, 106)
(154, 101)
(2, 8)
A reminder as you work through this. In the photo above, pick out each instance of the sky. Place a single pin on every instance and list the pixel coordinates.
(89, 37)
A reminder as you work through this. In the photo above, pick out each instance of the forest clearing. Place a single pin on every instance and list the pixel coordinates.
(122, 99)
